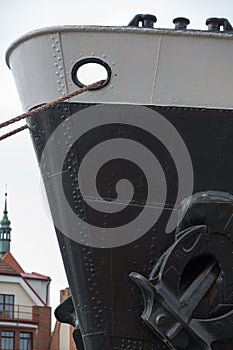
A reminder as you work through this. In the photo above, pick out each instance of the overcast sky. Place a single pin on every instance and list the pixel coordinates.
(33, 238)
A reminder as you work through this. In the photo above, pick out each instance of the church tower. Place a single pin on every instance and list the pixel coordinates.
(5, 231)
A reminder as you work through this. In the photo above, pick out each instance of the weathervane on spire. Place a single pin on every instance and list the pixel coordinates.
(5, 207)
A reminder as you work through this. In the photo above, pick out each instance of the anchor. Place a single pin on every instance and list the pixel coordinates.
(188, 296)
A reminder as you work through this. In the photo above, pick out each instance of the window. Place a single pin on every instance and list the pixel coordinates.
(25, 341)
(7, 340)
(6, 305)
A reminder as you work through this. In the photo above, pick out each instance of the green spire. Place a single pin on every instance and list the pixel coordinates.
(5, 231)
(5, 222)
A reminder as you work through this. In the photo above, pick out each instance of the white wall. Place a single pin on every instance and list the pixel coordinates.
(21, 297)
(16, 285)
(42, 289)
(64, 337)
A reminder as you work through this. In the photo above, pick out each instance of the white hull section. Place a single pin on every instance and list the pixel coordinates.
(149, 66)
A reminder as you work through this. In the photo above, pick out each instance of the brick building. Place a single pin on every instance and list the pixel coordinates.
(25, 315)
(62, 336)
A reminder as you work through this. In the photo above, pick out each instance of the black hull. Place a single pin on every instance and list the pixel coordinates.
(108, 303)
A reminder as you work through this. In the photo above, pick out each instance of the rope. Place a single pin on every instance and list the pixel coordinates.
(44, 107)
(13, 132)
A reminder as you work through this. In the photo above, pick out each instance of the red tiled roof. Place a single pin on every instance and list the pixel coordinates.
(10, 260)
(35, 275)
(6, 269)
(9, 266)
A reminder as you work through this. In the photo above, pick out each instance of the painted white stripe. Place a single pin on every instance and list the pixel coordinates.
(17, 324)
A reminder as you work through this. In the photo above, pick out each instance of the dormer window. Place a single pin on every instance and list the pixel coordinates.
(6, 306)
